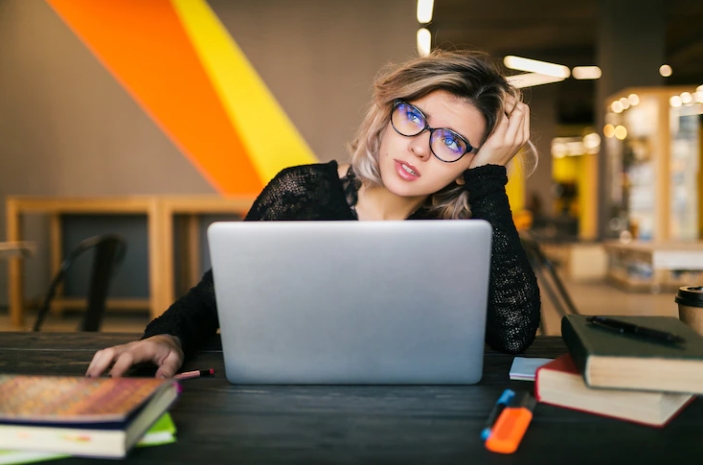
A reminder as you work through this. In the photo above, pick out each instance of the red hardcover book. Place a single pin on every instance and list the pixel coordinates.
(560, 383)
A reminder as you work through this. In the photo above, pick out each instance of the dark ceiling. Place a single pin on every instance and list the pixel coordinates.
(563, 31)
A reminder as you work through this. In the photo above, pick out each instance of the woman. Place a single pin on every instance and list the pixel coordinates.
(433, 145)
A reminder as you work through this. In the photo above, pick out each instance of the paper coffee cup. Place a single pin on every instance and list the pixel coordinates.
(690, 300)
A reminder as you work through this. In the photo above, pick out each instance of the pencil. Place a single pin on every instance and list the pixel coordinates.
(194, 374)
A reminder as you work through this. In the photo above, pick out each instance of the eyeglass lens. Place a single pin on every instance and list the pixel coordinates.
(445, 144)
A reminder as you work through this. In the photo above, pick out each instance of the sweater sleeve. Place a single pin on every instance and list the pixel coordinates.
(193, 317)
(513, 299)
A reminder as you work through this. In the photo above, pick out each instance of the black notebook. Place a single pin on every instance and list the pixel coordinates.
(609, 359)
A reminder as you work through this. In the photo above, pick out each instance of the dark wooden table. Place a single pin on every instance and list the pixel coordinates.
(222, 423)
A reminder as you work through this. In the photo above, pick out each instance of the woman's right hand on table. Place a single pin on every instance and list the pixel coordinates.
(163, 350)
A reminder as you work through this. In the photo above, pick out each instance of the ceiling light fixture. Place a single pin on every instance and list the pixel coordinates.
(424, 11)
(536, 66)
(424, 42)
(586, 72)
(531, 79)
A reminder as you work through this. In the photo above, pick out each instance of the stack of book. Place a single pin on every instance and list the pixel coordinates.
(94, 417)
(623, 374)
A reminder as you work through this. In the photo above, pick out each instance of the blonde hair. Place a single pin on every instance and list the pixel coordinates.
(470, 76)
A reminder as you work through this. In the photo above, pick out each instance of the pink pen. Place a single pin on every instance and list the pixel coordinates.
(194, 374)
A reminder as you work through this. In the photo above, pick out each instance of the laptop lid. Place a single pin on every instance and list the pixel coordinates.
(388, 302)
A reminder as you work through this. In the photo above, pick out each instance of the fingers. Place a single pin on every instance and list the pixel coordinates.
(520, 135)
(513, 133)
(103, 359)
(511, 103)
(524, 133)
(526, 130)
(501, 128)
(122, 364)
(163, 351)
(140, 352)
(169, 365)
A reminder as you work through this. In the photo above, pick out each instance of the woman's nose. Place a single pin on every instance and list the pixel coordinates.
(420, 145)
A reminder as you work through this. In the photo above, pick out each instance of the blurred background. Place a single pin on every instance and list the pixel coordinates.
(150, 119)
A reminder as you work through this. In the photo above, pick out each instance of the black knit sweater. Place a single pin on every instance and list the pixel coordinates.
(315, 192)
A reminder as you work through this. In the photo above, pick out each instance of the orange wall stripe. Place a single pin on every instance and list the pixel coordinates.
(271, 139)
(143, 44)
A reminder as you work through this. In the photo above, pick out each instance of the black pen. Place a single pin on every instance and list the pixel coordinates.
(629, 328)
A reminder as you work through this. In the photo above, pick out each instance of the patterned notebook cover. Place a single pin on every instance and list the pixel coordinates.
(50, 399)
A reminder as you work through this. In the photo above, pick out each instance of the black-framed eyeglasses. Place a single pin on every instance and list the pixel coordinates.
(445, 144)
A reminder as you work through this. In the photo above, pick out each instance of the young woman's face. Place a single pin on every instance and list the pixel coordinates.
(408, 167)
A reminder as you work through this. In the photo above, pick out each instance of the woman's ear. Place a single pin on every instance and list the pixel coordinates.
(460, 180)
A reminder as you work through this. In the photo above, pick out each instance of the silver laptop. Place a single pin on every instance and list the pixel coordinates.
(345, 302)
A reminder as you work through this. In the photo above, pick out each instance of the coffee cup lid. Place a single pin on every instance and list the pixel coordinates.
(690, 295)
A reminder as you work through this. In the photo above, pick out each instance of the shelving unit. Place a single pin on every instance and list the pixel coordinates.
(653, 140)
(655, 267)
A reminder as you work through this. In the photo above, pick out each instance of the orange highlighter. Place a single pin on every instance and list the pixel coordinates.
(508, 431)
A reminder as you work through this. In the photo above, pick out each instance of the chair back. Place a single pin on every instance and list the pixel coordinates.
(110, 250)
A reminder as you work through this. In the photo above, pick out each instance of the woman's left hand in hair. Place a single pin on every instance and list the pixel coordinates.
(511, 133)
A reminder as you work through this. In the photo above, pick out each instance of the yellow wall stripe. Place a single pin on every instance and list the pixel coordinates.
(516, 184)
(271, 140)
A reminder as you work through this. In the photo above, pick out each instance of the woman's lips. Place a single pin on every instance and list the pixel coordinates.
(403, 173)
